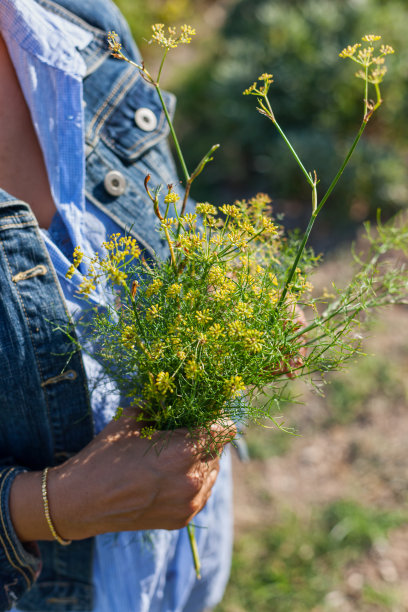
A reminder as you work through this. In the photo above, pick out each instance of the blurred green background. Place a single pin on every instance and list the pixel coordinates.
(315, 97)
(321, 520)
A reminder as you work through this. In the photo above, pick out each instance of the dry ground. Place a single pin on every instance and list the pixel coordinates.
(353, 445)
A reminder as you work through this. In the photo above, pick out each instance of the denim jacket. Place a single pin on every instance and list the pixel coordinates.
(45, 414)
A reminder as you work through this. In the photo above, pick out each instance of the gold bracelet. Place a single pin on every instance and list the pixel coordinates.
(47, 510)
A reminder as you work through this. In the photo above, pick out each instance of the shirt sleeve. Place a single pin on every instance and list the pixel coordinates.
(19, 565)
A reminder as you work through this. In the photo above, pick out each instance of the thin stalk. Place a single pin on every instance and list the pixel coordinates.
(161, 65)
(186, 194)
(295, 155)
(315, 213)
(366, 92)
(342, 167)
(134, 308)
(269, 113)
(169, 242)
(173, 134)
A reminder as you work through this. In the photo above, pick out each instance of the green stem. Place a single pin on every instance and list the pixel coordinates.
(366, 92)
(342, 167)
(194, 549)
(173, 134)
(269, 113)
(295, 155)
(161, 65)
(134, 308)
(315, 213)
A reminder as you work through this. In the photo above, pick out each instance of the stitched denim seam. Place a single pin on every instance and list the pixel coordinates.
(16, 225)
(12, 216)
(163, 121)
(32, 341)
(117, 220)
(143, 143)
(5, 203)
(99, 117)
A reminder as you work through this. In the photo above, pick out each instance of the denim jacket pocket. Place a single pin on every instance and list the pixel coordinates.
(125, 133)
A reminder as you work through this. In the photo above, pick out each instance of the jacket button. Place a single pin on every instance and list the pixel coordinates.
(114, 183)
(145, 119)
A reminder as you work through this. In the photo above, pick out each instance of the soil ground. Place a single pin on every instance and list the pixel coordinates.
(352, 446)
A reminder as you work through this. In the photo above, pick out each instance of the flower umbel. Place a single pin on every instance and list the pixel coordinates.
(169, 38)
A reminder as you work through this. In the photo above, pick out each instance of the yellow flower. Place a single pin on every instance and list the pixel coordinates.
(204, 208)
(164, 383)
(147, 432)
(234, 386)
(216, 331)
(238, 240)
(86, 286)
(192, 369)
(231, 211)
(190, 219)
(236, 328)
(128, 337)
(153, 312)
(168, 222)
(171, 198)
(251, 89)
(253, 341)
(202, 316)
(202, 338)
(114, 45)
(244, 310)
(371, 38)
(217, 240)
(169, 39)
(173, 290)
(349, 51)
(386, 50)
(269, 226)
(77, 256)
(158, 349)
(154, 287)
(71, 272)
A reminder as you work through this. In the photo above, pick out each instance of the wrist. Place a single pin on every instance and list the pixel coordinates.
(26, 508)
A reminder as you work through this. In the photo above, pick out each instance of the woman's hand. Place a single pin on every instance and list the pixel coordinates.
(122, 482)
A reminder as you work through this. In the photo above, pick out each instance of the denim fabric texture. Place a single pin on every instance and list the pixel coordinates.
(45, 411)
(44, 406)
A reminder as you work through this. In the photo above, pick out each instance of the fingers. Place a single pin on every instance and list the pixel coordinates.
(209, 443)
(204, 483)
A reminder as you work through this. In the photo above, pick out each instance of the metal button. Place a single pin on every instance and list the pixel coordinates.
(145, 119)
(114, 183)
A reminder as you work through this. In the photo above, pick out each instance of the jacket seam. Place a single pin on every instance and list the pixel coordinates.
(141, 145)
(100, 117)
(117, 220)
(16, 225)
(32, 343)
(13, 216)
